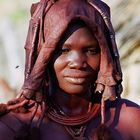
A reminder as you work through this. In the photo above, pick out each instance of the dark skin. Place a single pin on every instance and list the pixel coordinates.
(76, 69)
(80, 57)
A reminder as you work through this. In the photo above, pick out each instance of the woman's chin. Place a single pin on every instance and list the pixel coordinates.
(75, 90)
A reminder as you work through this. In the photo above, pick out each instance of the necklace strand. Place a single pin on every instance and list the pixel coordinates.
(71, 124)
(75, 126)
(61, 118)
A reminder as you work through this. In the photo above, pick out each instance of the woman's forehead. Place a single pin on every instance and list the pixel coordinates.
(73, 28)
(82, 37)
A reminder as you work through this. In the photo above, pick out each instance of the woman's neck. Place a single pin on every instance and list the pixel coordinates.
(71, 105)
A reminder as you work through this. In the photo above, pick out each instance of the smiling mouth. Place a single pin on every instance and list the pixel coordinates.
(76, 80)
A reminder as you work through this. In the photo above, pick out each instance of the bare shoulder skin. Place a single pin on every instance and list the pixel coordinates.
(124, 120)
(129, 120)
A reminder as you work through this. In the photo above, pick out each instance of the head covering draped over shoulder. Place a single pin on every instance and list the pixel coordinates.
(49, 21)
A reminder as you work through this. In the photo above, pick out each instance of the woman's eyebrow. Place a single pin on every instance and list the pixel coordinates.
(92, 44)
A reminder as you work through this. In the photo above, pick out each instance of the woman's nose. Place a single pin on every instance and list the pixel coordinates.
(77, 60)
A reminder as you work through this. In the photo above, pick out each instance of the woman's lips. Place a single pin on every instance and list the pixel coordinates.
(76, 80)
(77, 77)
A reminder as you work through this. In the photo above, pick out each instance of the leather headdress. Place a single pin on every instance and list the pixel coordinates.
(49, 21)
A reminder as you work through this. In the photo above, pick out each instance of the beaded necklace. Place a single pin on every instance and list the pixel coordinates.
(76, 125)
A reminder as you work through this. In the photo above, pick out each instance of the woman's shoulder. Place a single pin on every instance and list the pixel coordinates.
(123, 104)
(126, 109)
(9, 126)
(129, 111)
(128, 114)
(14, 124)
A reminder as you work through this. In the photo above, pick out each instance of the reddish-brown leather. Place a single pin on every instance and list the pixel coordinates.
(49, 21)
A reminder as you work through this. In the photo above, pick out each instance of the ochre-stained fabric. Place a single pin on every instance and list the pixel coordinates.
(49, 21)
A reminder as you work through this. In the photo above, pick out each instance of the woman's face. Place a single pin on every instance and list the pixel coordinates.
(77, 65)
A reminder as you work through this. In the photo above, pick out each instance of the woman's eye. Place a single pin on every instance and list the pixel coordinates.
(64, 50)
(92, 51)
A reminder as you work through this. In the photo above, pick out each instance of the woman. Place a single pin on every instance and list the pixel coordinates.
(73, 78)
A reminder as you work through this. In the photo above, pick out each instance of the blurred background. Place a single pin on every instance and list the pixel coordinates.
(14, 19)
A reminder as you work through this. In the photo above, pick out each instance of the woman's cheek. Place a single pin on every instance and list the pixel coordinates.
(94, 62)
